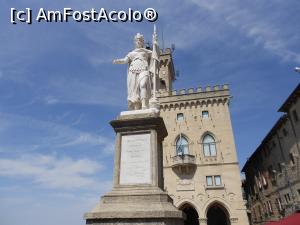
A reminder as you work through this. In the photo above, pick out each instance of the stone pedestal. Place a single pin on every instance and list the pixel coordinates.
(137, 196)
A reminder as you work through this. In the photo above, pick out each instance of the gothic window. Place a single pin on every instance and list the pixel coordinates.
(209, 146)
(182, 145)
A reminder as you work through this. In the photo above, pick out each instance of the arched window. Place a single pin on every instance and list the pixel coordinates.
(182, 145)
(209, 146)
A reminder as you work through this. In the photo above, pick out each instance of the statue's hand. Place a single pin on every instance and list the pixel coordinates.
(115, 61)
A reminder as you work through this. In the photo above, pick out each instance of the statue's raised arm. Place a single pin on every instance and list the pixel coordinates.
(121, 61)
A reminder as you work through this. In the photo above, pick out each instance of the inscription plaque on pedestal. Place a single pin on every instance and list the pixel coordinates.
(135, 163)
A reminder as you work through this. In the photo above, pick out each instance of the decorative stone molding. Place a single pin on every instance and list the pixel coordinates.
(188, 104)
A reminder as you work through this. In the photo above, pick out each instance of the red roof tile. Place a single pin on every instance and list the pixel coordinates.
(290, 220)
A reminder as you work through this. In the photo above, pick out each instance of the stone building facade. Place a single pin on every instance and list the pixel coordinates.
(272, 172)
(201, 169)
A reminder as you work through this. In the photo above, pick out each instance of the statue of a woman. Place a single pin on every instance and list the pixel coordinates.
(138, 75)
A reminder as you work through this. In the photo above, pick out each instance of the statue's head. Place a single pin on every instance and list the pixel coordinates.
(139, 40)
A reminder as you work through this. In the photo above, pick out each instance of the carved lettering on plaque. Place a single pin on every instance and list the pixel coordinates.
(135, 165)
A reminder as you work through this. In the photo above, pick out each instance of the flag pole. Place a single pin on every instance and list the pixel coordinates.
(154, 69)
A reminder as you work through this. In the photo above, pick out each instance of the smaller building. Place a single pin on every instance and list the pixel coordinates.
(272, 185)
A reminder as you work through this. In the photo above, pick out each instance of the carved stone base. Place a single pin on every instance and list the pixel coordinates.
(132, 208)
(136, 222)
(137, 196)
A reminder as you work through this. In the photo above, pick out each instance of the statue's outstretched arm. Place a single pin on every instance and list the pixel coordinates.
(121, 61)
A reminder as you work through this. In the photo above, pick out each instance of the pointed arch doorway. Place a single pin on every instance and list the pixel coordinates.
(192, 217)
(217, 215)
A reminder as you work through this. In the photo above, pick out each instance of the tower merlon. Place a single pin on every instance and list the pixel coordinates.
(166, 51)
(191, 90)
(196, 96)
(216, 88)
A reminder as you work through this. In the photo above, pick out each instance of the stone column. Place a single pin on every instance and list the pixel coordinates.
(137, 196)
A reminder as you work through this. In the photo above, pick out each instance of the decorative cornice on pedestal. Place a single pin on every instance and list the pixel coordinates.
(140, 122)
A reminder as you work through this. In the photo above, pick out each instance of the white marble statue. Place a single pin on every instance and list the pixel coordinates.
(139, 84)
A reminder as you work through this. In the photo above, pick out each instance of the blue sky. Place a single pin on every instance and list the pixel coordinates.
(59, 90)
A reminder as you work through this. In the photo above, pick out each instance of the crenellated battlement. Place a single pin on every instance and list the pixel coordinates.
(195, 90)
(165, 51)
(194, 97)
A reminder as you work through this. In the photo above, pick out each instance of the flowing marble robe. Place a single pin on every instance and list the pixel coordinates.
(138, 76)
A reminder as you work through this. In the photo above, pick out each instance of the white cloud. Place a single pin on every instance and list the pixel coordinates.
(85, 138)
(47, 209)
(90, 90)
(78, 120)
(263, 28)
(51, 100)
(100, 60)
(44, 135)
(51, 171)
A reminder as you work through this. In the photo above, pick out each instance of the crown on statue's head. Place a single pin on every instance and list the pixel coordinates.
(139, 36)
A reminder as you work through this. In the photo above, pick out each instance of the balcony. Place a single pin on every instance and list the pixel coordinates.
(183, 163)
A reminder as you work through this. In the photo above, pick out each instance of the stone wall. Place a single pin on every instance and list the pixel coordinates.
(185, 176)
